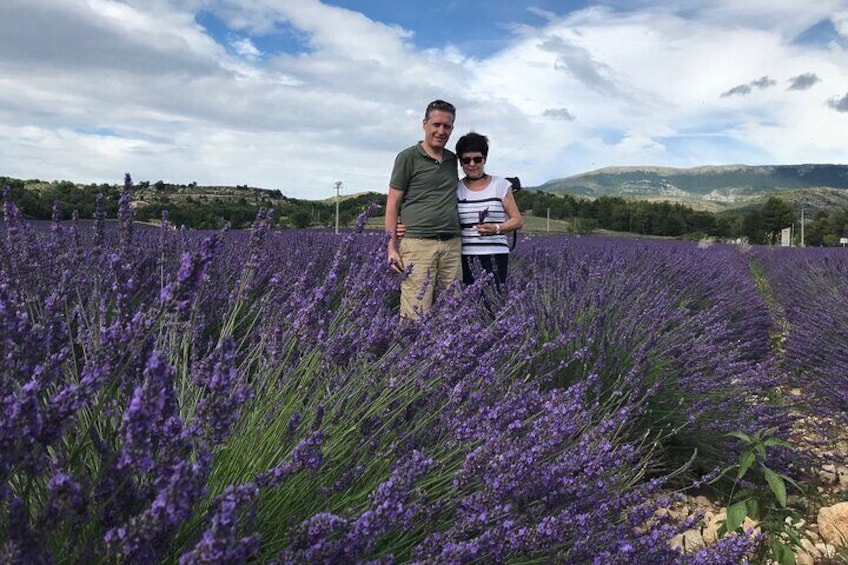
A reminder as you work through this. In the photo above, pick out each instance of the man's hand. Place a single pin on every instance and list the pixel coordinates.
(395, 262)
(400, 231)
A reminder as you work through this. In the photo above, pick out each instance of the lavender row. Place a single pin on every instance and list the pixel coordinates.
(196, 397)
(811, 288)
(686, 327)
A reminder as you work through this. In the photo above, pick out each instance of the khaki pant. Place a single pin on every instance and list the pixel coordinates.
(435, 265)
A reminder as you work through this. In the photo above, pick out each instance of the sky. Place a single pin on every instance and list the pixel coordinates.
(299, 95)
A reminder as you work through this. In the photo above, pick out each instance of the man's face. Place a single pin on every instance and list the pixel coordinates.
(438, 128)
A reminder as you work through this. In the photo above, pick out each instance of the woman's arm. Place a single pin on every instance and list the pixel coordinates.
(514, 220)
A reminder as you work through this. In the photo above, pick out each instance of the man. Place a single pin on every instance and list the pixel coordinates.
(422, 190)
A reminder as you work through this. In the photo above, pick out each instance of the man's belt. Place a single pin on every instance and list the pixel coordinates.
(439, 236)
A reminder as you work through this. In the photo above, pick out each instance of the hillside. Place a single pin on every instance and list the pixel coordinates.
(818, 187)
(190, 205)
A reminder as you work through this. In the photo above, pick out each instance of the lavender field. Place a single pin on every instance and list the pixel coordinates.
(174, 396)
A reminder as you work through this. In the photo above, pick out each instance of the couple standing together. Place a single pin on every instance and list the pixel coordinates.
(446, 222)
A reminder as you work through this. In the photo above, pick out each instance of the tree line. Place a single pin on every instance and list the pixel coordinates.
(186, 205)
(757, 224)
(211, 210)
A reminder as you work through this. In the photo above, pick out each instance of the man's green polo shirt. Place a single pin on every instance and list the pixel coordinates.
(429, 201)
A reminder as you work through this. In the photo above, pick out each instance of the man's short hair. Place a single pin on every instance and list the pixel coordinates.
(439, 105)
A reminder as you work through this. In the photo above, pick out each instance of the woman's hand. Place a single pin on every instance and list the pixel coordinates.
(489, 229)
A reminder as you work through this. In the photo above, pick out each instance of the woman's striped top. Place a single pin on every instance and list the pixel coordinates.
(489, 203)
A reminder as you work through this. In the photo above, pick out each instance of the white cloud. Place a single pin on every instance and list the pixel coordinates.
(840, 22)
(663, 77)
(245, 48)
(138, 86)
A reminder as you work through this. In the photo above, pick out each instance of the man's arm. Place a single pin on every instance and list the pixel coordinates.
(392, 211)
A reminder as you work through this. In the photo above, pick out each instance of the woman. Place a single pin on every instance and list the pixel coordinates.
(487, 211)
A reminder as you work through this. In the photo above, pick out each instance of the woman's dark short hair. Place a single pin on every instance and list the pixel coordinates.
(472, 142)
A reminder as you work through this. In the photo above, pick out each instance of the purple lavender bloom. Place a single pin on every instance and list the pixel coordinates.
(728, 550)
(126, 214)
(549, 419)
(222, 542)
(146, 536)
(307, 454)
(148, 416)
(99, 224)
(22, 544)
(328, 538)
(22, 431)
(181, 292)
(223, 393)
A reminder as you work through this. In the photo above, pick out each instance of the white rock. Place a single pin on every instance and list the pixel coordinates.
(833, 523)
(804, 558)
(688, 541)
(829, 474)
(808, 554)
(826, 550)
(712, 522)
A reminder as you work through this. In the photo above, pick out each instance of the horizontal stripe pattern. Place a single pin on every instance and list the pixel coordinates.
(470, 204)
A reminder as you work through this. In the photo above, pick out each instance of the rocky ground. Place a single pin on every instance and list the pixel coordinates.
(821, 509)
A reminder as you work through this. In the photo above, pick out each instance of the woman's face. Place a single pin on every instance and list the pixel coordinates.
(473, 164)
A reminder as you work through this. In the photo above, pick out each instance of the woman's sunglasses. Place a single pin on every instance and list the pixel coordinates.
(467, 160)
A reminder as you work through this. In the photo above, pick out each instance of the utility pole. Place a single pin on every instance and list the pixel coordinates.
(338, 188)
(549, 220)
(802, 227)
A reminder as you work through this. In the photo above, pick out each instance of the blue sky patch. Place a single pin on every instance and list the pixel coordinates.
(285, 38)
(820, 34)
(98, 131)
(477, 27)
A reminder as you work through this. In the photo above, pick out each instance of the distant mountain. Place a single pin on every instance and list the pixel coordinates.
(714, 188)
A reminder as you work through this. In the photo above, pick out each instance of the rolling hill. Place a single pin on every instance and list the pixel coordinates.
(714, 188)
